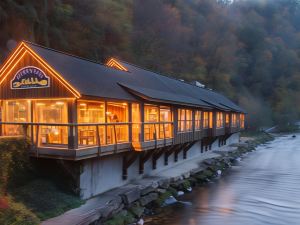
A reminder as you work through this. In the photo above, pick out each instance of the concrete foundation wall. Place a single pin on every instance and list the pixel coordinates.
(102, 174)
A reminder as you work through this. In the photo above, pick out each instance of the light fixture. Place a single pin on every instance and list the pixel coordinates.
(59, 103)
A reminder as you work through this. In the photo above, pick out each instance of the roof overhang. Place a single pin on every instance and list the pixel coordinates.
(147, 97)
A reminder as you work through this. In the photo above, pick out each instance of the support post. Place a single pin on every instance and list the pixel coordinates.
(128, 159)
(144, 158)
(178, 150)
(73, 130)
(169, 152)
(187, 148)
(156, 155)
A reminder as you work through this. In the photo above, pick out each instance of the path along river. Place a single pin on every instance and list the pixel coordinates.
(264, 188)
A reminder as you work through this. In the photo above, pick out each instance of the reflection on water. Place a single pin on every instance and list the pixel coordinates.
(263, 189)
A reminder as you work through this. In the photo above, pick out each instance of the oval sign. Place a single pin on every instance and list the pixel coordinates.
(30, 77)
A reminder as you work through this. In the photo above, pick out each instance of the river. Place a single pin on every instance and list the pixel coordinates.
(264, 188)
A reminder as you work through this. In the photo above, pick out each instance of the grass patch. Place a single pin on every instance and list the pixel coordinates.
(45, 199)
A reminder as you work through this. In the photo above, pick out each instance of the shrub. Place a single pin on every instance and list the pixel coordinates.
(17, 214)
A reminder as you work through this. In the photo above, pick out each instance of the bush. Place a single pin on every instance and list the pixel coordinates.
(15, 166)
(17, 214)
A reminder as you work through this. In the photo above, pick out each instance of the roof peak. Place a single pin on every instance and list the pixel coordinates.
(62, 52)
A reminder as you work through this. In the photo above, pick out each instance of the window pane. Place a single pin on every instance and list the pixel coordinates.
(47, 111)
(189, 121)
(165, 130)
(205, 120)
(210, 120)
(15, 111)
(197, 120)
(90, 112)
(151, 116)
(117, 113)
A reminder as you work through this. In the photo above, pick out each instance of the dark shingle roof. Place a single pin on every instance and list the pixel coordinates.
(94, 79)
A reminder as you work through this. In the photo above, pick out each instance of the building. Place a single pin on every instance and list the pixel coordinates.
(115, 121)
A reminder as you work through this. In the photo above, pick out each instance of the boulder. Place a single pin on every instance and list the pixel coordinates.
(148, 198)
(164, 183)
(147, 190)
(131, 195)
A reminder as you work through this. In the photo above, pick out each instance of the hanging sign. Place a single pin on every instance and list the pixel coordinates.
(30, 77)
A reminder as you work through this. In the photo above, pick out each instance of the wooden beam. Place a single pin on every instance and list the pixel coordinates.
(144, 158)
(170, 152)
(156, 155)
(128, 159)
(187, 148)
(178, 150)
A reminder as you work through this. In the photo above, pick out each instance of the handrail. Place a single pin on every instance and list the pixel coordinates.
(97, 135)
(80, 124)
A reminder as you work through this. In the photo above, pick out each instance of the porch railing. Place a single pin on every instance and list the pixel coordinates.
(82, 135)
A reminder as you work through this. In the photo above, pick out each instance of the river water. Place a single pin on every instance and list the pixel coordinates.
(264, 188)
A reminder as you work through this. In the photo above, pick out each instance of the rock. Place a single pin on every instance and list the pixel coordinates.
(131, 195)
(145, 200)
(110, 209)
(170, 200)
(186, 175)
(140, 222)
(219, 172)
(164, 183)
(189, 189)
(209, 162)
(179, 193)
(197, 170)
(137, 210)
(147, 190)
(176, 178)
(160, 190)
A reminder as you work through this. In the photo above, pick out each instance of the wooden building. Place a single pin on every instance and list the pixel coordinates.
(75, 109)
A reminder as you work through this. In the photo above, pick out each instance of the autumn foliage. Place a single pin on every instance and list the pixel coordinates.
(247, 49)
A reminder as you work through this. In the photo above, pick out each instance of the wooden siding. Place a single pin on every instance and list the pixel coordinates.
(56, 89)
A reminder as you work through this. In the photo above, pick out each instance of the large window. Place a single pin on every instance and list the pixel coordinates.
(211, 123)
(15, 111)
(205, 120)
(90, 112)
(52, 112)
(154, 118)
(117, 113)
(165, 130)
(198, 120)
(185, 120)
(151, 117)
(227, 119)
(242, 121)
(233, 120)
(220, 120)
(136, 119)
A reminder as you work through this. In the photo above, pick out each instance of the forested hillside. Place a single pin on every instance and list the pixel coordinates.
(247, 49)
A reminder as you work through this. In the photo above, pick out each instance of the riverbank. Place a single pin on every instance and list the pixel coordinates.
(127, 204)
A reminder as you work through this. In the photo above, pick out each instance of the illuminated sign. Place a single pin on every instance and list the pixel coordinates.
(30, 77)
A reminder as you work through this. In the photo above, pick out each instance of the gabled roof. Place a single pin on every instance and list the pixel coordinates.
(94, 79)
